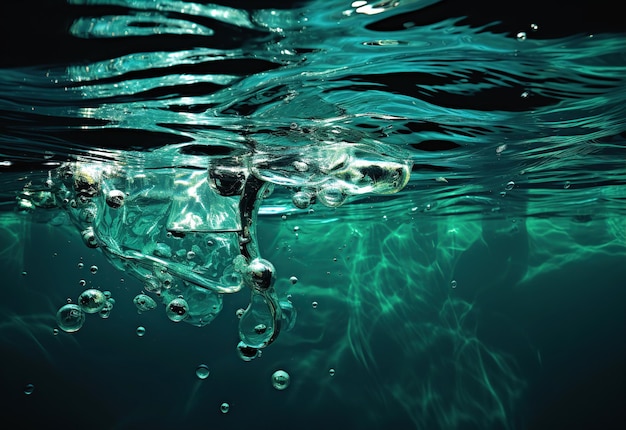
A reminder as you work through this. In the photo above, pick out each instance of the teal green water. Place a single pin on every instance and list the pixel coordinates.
(414, 209)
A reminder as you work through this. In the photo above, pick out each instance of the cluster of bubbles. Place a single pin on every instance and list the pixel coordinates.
(189, 234)
(71, 316)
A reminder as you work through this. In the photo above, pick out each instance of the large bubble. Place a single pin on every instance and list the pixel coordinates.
(70, 318)
(144, 303)
(177, 309)
(92, 301)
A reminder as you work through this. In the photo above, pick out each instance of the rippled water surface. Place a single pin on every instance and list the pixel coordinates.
(416, 209)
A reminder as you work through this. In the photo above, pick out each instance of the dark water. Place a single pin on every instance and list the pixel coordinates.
(445, 179)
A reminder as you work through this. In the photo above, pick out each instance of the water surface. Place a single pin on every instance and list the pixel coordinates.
(421, 205)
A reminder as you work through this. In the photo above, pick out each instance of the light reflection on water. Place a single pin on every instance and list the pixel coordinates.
(516, 194)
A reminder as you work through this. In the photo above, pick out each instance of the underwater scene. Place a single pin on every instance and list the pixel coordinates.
(337, 214)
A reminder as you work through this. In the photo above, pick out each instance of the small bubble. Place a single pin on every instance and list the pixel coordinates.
(239, 312)
(191, 255)
(55, 331)
(521, 36)
(293, 280)
(453, 284)
(314, 304)
(296, 228)
(509, 186)
(534, 27)
(224, 407)
(141, 330)
(93, 269)
(525, 94)
(81, 265)
(28, 390)
(280, 380)
(209, 243)
(82, 282)
(567, 184)
(500, 149)
(24, 273)
(202, 371)
(283, 217)
(331, 372)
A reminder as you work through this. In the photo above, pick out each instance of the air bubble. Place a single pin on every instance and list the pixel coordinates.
(332, 196)
(521, 36)
(82, 282)
(567, 185)
(509, 186)
(280, 380)
(331, 372)
(28, 389)
(293, 280)
(246, 352)
(144, 303)
(260, 274)
(105, 312)
(224, 407)
(89, 238)
(202, 371)
(300, 166)
(92, 301)
(115, 199)
(177, 309)
(70, 318)
(301, 199)
(453, 284)
(141, 330)
(93, 269)
(314, 304)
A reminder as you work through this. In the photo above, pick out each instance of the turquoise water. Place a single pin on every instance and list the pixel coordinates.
(415, 209)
